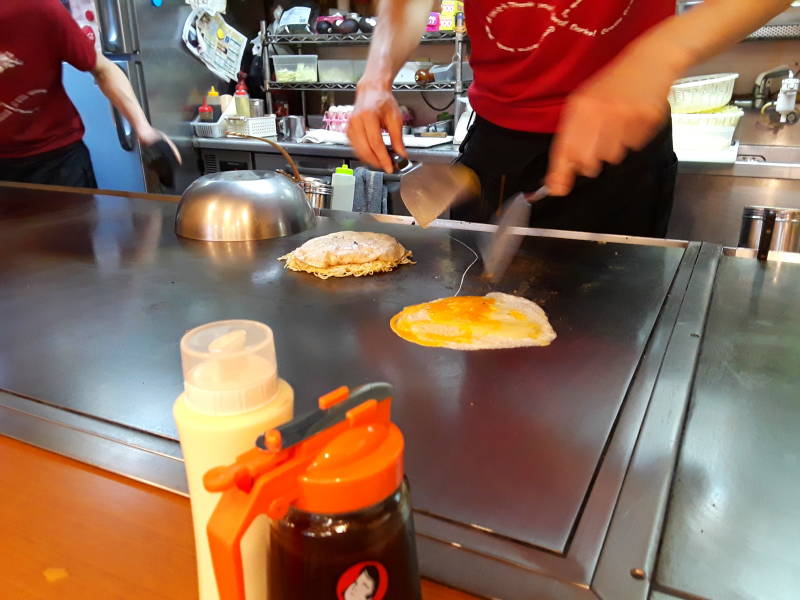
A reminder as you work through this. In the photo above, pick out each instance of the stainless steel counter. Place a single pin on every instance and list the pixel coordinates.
(733, 527)
(444, 153)
(540, 472)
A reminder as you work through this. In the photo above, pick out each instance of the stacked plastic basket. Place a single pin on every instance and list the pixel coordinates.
(702, 118)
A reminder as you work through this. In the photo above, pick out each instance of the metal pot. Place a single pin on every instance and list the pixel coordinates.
(318, 192)
(785, 233)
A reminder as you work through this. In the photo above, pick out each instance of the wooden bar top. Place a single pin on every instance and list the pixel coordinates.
(69, 531)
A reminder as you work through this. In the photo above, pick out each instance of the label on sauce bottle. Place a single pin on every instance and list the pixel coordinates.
(367, 580)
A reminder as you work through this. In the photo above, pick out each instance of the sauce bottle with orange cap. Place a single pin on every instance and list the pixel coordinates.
(333, 485)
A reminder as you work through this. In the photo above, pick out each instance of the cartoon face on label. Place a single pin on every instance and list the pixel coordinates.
(363, 581)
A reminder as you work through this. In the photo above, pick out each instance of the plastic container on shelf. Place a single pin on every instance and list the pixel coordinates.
(408, 70)
(265, 126)
(300, 68)
(702, 92)
(359, 66)
(707, 131)
(337, 117)
(336, 71)
(215, 129)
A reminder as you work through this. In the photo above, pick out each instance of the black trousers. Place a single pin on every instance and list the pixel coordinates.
(69, 166)
(632, 198)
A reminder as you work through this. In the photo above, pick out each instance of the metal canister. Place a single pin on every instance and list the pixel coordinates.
(318, 192)
(786, 234)
(256, 107)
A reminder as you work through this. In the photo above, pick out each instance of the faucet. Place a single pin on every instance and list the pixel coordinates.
(761, 86)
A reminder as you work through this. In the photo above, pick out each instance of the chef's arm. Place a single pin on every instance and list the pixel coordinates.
(401, 23)
(623, 106)
(115, 86)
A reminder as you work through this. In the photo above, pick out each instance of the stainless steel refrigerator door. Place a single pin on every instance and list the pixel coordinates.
(112, 143)
(175, 80)
(118, 31)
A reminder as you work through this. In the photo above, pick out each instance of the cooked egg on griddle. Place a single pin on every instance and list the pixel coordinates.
(493, 321)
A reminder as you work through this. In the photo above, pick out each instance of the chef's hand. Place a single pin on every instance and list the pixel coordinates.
(375, 110)
(619, 109)
(150, 135)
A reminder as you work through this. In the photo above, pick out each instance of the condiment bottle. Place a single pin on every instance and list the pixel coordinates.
(205, 113)
(242, 99)
(213, 96)
(332, 482)
(214, 101)
(344, 188)
(232, 393)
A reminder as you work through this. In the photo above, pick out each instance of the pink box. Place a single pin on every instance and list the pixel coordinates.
(433, 22)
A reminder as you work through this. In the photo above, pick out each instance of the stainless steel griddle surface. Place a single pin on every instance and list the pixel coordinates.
(97, 292)
(733, 526)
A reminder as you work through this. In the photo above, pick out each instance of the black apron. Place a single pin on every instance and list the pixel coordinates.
(632, 198)
(68, 166)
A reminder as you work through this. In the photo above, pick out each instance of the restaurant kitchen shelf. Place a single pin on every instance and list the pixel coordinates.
(349, 38)
(449, 86)
(457, 87)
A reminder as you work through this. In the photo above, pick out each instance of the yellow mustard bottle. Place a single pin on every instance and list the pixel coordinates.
(232, 393)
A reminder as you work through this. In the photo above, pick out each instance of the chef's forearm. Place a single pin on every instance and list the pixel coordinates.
(400, 26)
(116, 87)
(696, 35)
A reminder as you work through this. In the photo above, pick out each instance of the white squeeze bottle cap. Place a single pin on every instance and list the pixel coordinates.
(229, 367)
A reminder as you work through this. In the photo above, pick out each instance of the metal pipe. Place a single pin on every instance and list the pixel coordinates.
(265, 66)
(762, 81)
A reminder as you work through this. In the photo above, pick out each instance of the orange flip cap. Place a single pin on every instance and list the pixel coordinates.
(354, 463)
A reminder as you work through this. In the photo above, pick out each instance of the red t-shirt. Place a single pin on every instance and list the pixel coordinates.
(528, 56)
(36, 115)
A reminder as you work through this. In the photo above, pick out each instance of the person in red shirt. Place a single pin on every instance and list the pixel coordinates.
(40, 129)
(571, 93)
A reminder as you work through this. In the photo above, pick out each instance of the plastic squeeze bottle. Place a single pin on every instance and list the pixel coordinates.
(232, 394)
(344, 188)
(212, 97)
(213, 100)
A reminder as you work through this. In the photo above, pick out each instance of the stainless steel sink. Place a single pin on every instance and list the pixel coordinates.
(762, 161)
(775, 155)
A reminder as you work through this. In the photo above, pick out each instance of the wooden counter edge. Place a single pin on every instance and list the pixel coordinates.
(74, 531)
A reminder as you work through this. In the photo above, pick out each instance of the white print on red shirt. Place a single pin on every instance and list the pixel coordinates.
(8, 61)
(16, 106)
(559, 21)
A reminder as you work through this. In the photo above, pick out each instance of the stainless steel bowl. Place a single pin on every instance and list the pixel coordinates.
(235, 206)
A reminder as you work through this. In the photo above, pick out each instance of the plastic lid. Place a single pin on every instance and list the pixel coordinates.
(240, 91)
(344, 169)
(204, 107)
(347, 466)
(213, 91)
(229, 367)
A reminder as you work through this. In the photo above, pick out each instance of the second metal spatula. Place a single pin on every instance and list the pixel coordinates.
(504, 243)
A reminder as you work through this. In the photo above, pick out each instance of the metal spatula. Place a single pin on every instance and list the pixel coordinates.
(429, 189)
(504, 243)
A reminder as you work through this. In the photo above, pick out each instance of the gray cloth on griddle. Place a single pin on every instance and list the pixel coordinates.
(370, 193)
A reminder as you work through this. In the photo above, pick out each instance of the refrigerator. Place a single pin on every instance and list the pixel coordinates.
(143, 38)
